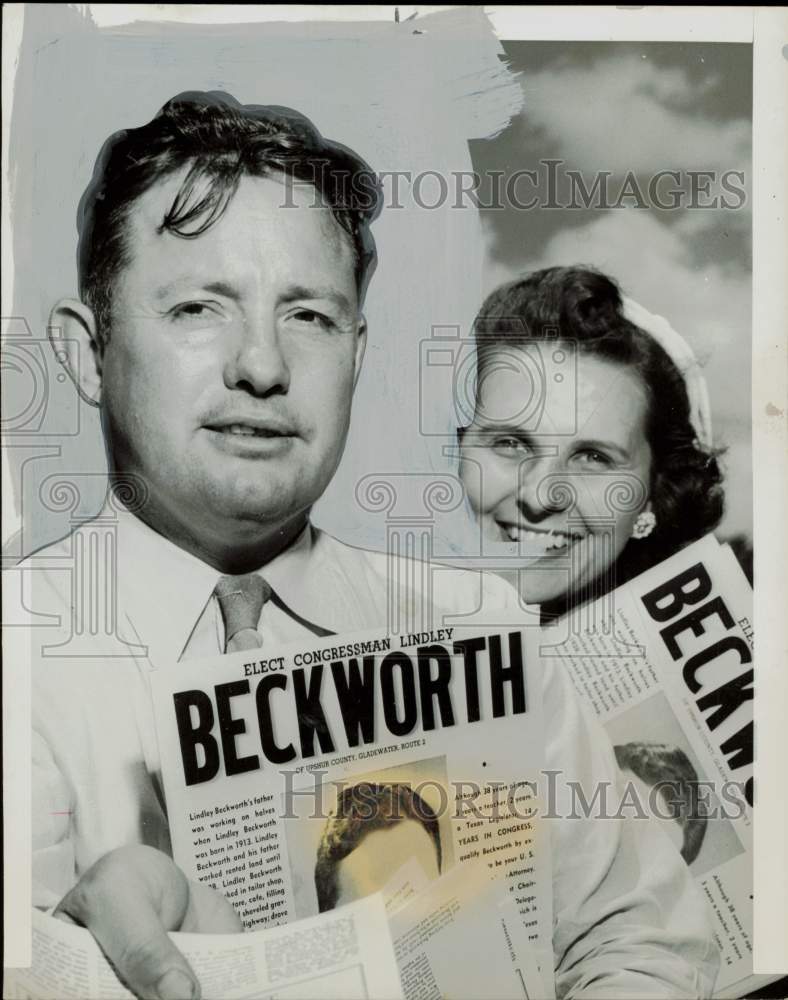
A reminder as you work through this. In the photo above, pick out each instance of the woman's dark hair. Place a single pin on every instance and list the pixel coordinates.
(220, 141)
(584, 307)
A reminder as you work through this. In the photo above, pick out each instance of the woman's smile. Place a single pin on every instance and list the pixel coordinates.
(550, 539)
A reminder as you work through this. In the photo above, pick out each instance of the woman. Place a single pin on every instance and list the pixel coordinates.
(589, 454)
(588, 459)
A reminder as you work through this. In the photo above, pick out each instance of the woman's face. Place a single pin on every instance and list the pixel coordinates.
(556, 496)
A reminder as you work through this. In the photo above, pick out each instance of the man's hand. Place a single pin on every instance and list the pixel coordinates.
(128, 901)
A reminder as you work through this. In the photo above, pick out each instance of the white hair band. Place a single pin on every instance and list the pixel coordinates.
(683, 357)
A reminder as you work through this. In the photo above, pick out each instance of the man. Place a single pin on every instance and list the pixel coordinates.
(224, 254)
(667, 780)
(375, 829)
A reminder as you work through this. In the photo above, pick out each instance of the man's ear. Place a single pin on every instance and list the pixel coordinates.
(73, 333)
(361, 346)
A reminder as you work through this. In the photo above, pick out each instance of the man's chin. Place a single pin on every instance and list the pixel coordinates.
(263, 499)
(237, 515)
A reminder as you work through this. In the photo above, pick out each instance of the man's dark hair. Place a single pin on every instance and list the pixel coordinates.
(220, 141)
(670, 770)
(583, 306)
(360, 810)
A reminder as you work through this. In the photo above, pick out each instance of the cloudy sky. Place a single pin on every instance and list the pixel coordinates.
(632, 110)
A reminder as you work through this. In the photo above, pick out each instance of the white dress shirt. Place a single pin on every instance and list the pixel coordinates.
(628, 919)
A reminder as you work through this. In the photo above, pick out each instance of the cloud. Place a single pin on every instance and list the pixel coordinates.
(625, 113)
(709, 304)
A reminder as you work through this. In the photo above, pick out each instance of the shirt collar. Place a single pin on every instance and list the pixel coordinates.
(165, 589)
(287, 572)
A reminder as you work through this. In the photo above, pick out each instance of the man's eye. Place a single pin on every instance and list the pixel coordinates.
(191, 310)
(308, 317)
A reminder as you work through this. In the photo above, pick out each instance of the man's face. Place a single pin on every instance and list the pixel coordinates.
(652, 804)
(229, 372)
(380, 855)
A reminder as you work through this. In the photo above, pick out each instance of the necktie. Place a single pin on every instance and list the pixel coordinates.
(241, 599)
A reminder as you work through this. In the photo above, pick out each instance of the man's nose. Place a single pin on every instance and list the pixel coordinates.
(543, 488)
(257, 363)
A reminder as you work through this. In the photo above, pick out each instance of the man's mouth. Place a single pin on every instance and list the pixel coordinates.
(244, 430)
(252, 437)
(550, 539)
(261, 427)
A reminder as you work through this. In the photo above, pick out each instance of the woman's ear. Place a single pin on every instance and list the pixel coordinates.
(73, 333)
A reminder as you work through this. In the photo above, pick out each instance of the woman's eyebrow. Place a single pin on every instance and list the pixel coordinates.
(594, 443)
(501, 428)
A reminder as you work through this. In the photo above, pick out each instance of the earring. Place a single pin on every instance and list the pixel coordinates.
(644, 524)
